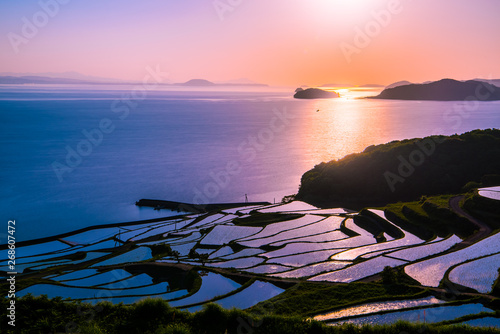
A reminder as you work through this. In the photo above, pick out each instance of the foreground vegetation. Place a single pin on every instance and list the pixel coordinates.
(41, 315)
(405, 170)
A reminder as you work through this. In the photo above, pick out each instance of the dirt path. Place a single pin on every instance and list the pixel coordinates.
(483, 229)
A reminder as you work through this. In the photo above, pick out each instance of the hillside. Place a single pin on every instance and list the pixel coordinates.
(404, 170)
(398, 83)
(443, 90)
(196, 82)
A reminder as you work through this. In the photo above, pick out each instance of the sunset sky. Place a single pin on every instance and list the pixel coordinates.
(278, 42)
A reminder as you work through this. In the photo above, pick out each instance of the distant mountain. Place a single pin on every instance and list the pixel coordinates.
(495, 82)
(314, 93)
(206, 83)
(240, 82)
(399, 83)
(11, 80)
(371, 85)
(64, 75)
(196, 82)
(442, 90)
(336, 85)
(77, 78)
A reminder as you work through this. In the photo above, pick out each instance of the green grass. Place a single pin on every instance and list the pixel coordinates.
(486, 209)
(429, 217)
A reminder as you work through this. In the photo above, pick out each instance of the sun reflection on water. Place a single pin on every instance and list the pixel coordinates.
(342, 126)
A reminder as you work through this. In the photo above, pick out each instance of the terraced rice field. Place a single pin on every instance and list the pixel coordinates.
(425, 250)
(359, 271)
(119, 264)
(223, 234)
(428, 315)
(484, 322)
(478, 274)
(491, 193)
(431, 272)
(376, 307)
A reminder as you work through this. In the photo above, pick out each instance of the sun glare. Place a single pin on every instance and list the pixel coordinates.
(347, 6)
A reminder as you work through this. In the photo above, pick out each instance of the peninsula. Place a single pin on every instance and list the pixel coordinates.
(443, 90)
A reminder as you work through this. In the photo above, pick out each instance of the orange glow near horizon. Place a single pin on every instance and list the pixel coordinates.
(291, 43)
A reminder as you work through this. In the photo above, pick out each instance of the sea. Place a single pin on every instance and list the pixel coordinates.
(81, 155)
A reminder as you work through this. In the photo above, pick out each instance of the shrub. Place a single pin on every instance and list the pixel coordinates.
(175, 328)
(213, 319)
(389, 275)
(149, 313)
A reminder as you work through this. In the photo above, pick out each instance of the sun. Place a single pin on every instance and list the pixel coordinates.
(348, 9)
(346, 5)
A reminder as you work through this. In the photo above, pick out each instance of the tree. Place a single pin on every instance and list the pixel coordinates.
(203, 259)
(176, 254)
(389, 275)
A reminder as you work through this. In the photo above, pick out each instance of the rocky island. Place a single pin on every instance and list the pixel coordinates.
(314, 93)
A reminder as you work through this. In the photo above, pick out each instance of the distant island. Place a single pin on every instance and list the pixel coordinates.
(196, 82)
(79, 79)
(443, 90)
(398, 83)
(314, 93)
(371, 85)
(26, 80)
(206, 83)
(337, 85)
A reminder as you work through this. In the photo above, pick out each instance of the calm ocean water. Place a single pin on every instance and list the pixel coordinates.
(78, 157)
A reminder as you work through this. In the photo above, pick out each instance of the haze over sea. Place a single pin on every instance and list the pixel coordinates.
(192, 146)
